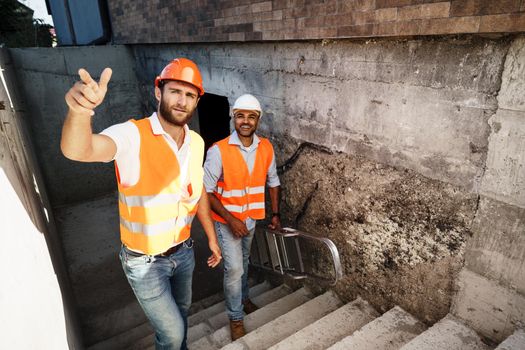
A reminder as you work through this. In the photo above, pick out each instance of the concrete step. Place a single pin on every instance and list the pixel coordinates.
(205, 303)
(198, 331)
(143, 336)
(390, 331)
(200, 314)
(287, 324)
(221, 319)
(111, 311)
(515, 341)
(143, 343)
(331, 328)
(130, 335)
(221, 337)
(448, 334)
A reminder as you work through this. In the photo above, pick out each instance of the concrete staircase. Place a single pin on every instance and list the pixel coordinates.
(296, 319)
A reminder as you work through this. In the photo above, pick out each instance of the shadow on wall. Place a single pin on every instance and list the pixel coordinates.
(14, 159)
(25, 224)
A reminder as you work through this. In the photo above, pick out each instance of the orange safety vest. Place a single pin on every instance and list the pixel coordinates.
(153, 216)
(240, 192)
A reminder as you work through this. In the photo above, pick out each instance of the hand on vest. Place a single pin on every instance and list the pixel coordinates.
(216, 257)
(238, 228)
(275, 224)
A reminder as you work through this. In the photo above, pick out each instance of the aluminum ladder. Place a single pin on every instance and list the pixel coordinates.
(282, 252)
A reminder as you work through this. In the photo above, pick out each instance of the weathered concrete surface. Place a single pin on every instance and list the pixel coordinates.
(492, 285)
(256, 319)
(512, 86)
(330, 329)
(417, 122)
(401, 236)
(90, 237)
(45, 75)
(449, 333)
(404, 112)
(389, 331)
(505, 175)
(37, 312)
(497, 249)
(419, 104)
(516, 341)
(504, 178)
(411, 117)
(285, 325)
(492, 310)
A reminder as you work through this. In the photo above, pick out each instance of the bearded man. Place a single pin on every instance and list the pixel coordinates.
(158, 165)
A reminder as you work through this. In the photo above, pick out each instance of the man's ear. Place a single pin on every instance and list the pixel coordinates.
(158, 93)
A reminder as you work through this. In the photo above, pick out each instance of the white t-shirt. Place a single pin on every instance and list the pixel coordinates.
(127, 138)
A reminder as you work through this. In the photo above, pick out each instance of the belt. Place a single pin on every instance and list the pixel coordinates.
(168, 252)
(172, 250)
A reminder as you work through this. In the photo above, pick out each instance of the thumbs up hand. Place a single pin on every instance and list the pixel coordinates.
(87, 94)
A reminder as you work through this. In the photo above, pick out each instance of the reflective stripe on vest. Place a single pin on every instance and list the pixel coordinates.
(242, 193)
(154, 216)
(241, 209)
(158, 228)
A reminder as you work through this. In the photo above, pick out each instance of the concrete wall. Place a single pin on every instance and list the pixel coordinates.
(397, 145)
(44, 77)
(83, 196)
(389, 141)
(35, 298)
(400, 102)
(492, 285)
(407, 153)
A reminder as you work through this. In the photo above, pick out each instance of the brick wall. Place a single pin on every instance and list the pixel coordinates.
(168, 21)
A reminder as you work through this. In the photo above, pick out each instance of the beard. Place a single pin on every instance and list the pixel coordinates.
(245, 133)
(172, 116)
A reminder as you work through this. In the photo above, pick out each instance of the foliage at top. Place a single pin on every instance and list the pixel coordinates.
(19, 29)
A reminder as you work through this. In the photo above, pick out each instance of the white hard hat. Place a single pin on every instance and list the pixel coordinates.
(248, 102)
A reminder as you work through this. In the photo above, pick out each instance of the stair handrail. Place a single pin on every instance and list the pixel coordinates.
(291, 232)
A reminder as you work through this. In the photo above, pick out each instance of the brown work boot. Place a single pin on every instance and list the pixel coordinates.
(237, 329)
(249, 307)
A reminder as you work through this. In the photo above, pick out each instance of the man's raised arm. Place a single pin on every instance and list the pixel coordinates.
(78, 141)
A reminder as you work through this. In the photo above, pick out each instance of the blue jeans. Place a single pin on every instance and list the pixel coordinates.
(235, 255)
(162, 286)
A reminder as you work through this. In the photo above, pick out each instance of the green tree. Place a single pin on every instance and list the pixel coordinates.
(19, 29)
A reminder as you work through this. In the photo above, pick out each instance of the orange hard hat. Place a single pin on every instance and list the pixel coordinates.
(182, 69)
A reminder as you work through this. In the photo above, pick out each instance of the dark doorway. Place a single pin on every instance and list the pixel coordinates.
(214, 125)
(214, 118)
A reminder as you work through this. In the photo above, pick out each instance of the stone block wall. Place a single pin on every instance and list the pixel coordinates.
(171, 21)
